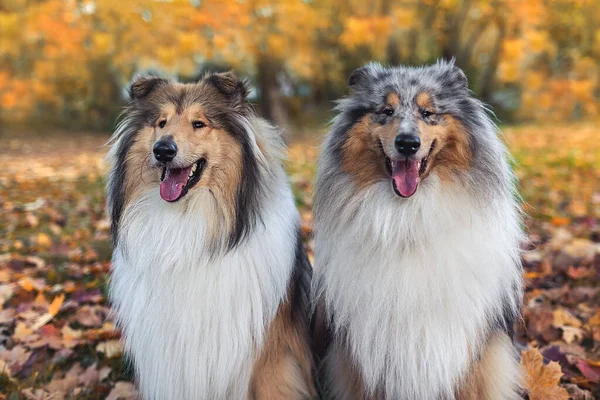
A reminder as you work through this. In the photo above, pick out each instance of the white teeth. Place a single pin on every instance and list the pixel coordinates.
(193, 170)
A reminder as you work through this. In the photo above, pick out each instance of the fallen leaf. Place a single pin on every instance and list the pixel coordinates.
(541, 381)
(43, 241)
(56, 304)
(22, 331)
(110, 348)
(563, 317)
(123, 391)
(587, 371)
(4, 370)
(572, 334)
(88, 316)
(6, 292)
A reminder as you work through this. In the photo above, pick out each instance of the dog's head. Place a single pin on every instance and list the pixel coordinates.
(179, 140)
(188, 137)
(405, 124)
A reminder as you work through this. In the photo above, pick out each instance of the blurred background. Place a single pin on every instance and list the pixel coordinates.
(65, 62)
(64, 67)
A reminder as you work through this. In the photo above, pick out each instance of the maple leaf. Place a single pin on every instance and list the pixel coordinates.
(541, 381)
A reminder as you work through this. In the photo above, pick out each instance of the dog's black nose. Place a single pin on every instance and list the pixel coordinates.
(165, 150)
(407, 145)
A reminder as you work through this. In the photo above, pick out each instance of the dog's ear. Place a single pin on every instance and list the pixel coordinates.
(452, 74)
(460, 77)
(361, 77)
(142, 86)
(234, 88)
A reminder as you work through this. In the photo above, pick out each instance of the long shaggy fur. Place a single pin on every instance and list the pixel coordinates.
(414, 289)
(195, 311)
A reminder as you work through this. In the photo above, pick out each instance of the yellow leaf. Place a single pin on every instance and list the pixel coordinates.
(56, 304)
(44, 240)
(110, 348)
(562, 317)
(21, 331)
(541, 381)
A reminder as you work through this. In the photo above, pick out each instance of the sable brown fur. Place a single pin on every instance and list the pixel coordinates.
(285, 368)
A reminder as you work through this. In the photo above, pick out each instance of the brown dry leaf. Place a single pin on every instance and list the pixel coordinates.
(572, 334)
(88, 316)
(4, 370)
(7, 316)
(110, 348)
(563, 317)
(40, 300)
(541, 381)
(22, 331)
(123, 391)
(89, 376)
(595, 320)
(62, 386)
(4, 276)
(15, 358)
(6, 292)
(70, 337)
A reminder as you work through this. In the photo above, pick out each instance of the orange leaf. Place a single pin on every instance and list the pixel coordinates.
(56, 304)
(26, 285)
(541, 381)
(44, 240)
(560, 221)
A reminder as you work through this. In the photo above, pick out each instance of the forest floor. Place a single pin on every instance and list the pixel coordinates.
(57, 339)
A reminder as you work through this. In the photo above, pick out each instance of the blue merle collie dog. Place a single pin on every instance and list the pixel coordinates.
(209, 280)
(417, 234)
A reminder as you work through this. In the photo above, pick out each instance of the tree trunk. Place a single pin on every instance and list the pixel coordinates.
(271, 101)
(488, 76)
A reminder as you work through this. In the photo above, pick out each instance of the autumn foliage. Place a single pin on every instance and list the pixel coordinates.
(66, 61)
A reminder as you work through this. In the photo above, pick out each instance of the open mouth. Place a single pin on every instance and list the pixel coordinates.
(176, 182)
(406, 174)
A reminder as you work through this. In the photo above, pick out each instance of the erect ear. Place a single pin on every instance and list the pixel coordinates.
(142, 86)
(361, 77)
(460, 77)
(232, 87)
(453, 74)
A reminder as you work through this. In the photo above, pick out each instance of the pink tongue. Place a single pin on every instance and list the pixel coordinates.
(406, 176)
(172, 186)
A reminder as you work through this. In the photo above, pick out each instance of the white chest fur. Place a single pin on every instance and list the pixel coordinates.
(193, 325)
(416, 283)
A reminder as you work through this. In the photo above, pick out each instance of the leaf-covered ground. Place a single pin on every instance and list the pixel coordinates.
(56, 335)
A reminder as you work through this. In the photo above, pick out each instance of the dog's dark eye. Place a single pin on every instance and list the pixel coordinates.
(388, 111)
(162, 124)
(426, 114)
(198, 124)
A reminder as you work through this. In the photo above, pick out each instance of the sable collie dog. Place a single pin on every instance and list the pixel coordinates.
(417, 233)
(209, 281)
